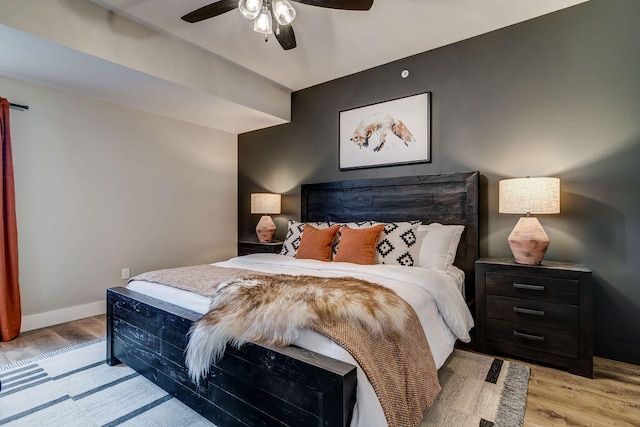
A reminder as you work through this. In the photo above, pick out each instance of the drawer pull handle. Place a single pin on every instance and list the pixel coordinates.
(528, 336)
(528, 287)
(528, 311)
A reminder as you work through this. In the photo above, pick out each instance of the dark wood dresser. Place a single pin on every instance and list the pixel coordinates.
(538, 312)
(246, 247)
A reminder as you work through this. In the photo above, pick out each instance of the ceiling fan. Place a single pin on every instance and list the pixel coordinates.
(270, 14)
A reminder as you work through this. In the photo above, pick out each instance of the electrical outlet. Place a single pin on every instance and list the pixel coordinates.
(125, 273)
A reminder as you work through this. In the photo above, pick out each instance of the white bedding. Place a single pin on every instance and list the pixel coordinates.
(434, 295)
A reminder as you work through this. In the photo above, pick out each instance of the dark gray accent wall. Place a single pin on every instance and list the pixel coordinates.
(555, 96)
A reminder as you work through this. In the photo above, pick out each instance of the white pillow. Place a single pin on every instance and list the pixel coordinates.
(294, 234)
(437, 245)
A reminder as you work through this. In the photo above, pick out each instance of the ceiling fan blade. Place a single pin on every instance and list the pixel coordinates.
(340, 4)
(286, 37)
(209, 11)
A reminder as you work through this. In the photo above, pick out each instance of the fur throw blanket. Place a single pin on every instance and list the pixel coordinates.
(271, 310)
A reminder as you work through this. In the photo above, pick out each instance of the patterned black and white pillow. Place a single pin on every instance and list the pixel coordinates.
(294, 234)
(397, 244)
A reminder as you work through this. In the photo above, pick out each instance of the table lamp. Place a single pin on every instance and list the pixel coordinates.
(265, 204)
(528, 240)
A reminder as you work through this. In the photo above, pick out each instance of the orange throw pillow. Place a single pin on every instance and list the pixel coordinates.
(316, 243)
(358, 245)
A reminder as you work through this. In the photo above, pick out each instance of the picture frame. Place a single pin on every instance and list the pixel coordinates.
(388, 133)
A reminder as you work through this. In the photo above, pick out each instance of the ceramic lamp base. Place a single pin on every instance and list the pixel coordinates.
(265, 229)
(528, 241)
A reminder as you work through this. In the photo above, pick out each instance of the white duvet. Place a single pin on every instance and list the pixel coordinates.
(434, 295)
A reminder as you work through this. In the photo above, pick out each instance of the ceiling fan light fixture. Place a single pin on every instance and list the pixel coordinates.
(250, 8)
(271, 16)
(284, 12)
(262, 24)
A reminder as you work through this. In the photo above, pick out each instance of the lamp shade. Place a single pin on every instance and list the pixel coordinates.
(250, 8)
(283, 11)
(530, 196)
(528, 240)
(265, 203)
(262, 23)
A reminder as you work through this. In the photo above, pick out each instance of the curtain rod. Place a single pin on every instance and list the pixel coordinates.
(18, 106)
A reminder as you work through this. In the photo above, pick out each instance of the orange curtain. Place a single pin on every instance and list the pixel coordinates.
(10, 312)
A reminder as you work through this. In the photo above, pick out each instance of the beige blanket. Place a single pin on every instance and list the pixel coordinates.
(379, 329)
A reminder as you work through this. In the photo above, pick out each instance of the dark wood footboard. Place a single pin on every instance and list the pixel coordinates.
(251, 386)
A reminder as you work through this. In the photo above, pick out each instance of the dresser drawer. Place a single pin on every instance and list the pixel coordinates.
(531, 312)
(554, 341)
(549, 289)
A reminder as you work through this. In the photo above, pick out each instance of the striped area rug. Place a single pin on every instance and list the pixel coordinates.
(74, 387)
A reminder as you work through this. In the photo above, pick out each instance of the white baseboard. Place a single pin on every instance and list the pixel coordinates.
(55, 317)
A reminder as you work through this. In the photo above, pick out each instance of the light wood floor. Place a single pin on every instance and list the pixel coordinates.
(555, 398)
(40, 341)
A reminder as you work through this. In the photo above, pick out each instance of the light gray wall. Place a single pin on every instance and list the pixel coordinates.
(101, 187)
(555, 96)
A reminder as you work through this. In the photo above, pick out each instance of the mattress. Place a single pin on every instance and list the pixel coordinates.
(434, 294)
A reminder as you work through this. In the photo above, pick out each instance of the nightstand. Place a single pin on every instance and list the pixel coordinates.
(246, 247)
(538, 312)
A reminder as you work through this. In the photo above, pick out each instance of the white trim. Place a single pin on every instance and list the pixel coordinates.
(55, 317)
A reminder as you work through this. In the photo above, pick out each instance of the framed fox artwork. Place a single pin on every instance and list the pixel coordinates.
(387, 133)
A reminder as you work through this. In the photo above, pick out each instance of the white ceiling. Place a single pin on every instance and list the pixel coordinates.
(335, 43)
(54, 45)
(36, 60)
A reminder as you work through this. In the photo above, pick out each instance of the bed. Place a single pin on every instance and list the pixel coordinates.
(258, 385)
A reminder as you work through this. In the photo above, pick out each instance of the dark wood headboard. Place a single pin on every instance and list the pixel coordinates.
(450, 198)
